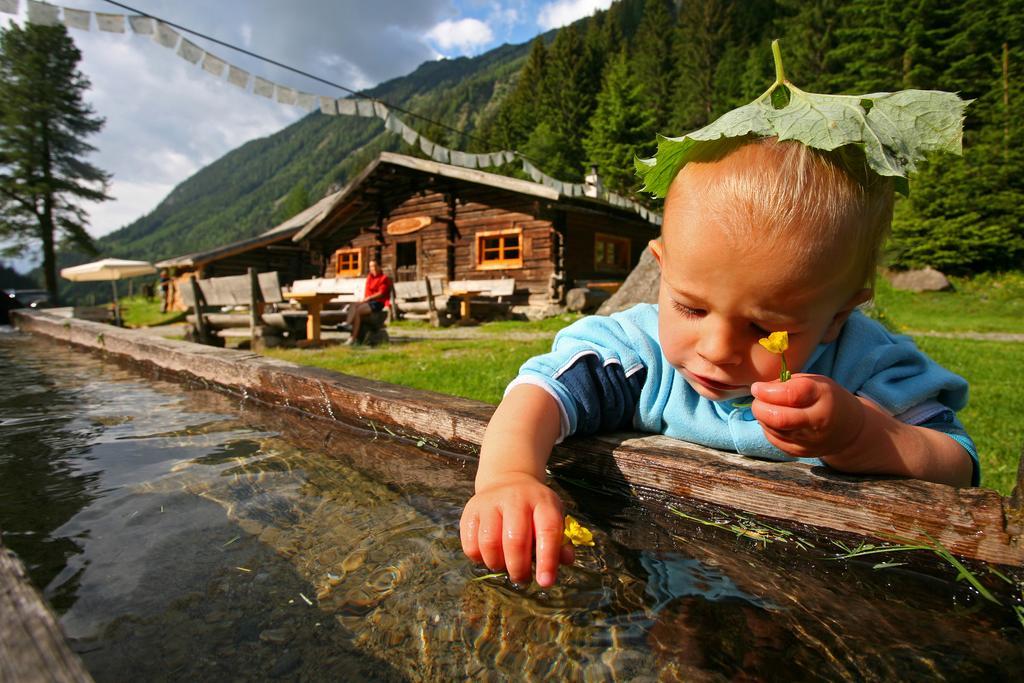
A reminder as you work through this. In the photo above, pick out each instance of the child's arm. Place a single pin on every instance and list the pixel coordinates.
(812, 416)
(514, 512)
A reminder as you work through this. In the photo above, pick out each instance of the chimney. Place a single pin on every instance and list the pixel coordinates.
(592, 185)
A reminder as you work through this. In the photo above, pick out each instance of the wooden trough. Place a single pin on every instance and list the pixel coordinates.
(974, 523)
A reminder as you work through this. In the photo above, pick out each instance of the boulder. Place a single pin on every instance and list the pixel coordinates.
(924, 280)
(641, 287)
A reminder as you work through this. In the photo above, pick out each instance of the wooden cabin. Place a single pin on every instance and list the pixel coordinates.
(271, 250)
(421, 219)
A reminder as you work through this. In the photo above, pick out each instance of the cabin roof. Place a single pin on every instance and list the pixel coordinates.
(377, 178)
(278, 233)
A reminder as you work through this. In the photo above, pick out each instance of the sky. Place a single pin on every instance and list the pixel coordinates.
(167, 118)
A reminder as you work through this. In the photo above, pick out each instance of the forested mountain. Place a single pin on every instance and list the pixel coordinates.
(597, 91)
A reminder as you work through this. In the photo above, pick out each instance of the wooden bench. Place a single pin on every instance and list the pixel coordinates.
(347, 291)
(419, 299)
(469, 292)
(252, 291)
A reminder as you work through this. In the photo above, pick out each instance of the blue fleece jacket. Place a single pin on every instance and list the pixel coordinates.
(608, 373)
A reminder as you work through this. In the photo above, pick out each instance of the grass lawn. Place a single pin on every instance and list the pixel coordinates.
(138, 311)
(986, 303)
(477, 368)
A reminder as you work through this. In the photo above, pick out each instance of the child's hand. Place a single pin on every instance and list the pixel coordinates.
(811, 416)
(506, 522)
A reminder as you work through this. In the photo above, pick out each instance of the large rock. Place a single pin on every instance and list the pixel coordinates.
(641, 287)
(924, 280)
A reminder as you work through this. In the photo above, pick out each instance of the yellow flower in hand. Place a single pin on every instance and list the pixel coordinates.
(576, 533)
(778, 342)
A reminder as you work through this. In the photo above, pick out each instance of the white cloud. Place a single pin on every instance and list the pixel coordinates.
(131, 200)
(465, 35)
(562, 12)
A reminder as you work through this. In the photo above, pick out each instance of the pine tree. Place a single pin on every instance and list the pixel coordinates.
(517, 116)
(702, 38)
(43, 125)
(571, 82)
(620, 127)
(653, 60)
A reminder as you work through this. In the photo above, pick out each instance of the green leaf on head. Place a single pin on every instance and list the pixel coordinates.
(895, 130)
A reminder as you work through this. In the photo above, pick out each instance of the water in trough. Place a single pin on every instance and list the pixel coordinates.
(181, 533)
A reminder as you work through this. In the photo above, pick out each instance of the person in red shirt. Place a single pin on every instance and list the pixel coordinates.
(375, 297)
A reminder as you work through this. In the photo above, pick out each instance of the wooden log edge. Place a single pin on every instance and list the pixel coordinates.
(973, 523)
(32, 646)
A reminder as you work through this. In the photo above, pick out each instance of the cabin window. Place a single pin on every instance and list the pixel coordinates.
(496, 249)
(348, 262)
(611, 254)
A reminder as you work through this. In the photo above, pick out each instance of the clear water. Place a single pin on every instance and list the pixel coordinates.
(180, 534)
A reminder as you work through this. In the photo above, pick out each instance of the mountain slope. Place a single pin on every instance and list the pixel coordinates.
(235, 196)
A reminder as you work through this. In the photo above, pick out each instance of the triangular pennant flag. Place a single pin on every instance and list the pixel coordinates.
(440, 154)
(426, 146)
(410, 136)
(143, 26)
(532, 171)
(262, 86)
(307, 101)
(285, 95)
(510, 156)
(213, 65)
(392, 124)
(9, 6)
(165, 35)
(111, 23)
(43, 14)
(457, 158)
(189, 51)
(365, 107)
(347, 107)
(328, 106)
(238, 77)
(380, 109)
(77, 19)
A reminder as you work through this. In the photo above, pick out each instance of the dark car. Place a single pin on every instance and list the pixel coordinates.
(28, 298)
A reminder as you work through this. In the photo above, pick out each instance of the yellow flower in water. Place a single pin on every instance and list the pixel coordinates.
(576, 533)
(778, 342)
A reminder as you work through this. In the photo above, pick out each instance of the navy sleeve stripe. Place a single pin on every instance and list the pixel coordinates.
(606, 397)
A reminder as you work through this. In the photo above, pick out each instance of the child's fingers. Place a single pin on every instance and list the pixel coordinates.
(489, 539)
(548, 525)
(469, 527)
(780, 418)
(800, 391)
(517, 542)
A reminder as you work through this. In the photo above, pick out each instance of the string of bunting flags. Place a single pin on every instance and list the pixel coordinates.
(51, 15)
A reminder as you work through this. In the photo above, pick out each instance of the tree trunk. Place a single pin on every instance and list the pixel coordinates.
(49, 255)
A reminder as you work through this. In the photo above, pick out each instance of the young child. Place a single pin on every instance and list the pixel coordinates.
(759, 236)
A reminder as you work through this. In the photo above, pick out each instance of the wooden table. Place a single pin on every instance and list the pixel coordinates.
(466, 295)
(313, 302)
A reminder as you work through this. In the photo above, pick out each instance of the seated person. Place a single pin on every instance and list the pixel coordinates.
(375, 298)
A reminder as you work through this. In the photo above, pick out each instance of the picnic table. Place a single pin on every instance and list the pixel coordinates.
(313, 302)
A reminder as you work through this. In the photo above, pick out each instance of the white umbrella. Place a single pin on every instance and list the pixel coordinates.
(112, 269)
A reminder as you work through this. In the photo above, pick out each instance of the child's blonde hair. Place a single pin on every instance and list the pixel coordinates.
(815, 200)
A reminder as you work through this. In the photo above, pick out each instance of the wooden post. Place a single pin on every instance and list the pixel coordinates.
(32, 647)
(432, 316)
(198, 301)
(255, 304)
